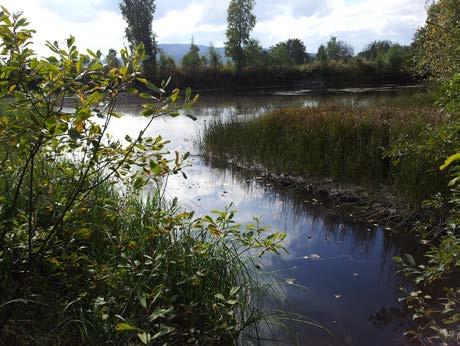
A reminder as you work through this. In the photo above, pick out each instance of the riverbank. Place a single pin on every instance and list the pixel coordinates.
(377, 206)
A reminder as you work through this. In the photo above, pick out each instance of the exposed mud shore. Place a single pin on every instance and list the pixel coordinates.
(364, 204)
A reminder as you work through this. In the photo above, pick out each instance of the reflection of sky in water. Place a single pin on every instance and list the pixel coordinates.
(353, 276)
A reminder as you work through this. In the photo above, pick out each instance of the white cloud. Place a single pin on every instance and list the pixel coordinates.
(97, 24)
(373, 19)
(104, 31)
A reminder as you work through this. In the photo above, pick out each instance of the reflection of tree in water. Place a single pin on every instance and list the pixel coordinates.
(361, 238)
(335, 225)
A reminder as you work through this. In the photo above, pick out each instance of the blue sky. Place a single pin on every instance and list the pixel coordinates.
(98, 23)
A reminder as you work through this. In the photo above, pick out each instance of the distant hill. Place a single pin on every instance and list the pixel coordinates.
(177, 51)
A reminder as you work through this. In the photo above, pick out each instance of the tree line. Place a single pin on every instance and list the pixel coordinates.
(243, 52)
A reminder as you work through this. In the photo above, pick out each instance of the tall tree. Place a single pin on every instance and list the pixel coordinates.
(254, 54)
(321, 55)
(214, 58)
(279, 55)
(241, 22)
(375, 49)
(167, 65)
(338, 50)
(297, 51)
(437, 44)
(139, 17)
(192, 61)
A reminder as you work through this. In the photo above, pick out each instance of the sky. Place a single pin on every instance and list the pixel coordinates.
(98, 24)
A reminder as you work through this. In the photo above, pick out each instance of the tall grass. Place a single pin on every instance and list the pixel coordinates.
(357, 144)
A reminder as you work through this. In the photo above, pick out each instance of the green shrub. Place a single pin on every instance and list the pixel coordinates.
(84, 257)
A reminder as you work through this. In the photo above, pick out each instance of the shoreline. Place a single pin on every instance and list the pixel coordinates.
(377, 206)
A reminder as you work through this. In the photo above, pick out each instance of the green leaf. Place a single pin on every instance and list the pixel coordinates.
(145, 96)
(70, 41)
(453, 319)
(186, 156)
(152, 87)
(409, 259)
(450, 160)
(219, 296)
(125, 327)
(144, 337)
(138, 183)
(234, 290)
(143, 301)
(188, 93)
(159, 313)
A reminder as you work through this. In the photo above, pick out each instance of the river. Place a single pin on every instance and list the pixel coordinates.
(338, 272)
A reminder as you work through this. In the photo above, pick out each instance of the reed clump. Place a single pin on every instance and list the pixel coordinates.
(368, 145)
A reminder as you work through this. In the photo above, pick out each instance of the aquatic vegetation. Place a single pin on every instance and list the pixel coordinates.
(357, 144)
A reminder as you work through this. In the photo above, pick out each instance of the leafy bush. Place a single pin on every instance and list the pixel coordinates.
(85, 258)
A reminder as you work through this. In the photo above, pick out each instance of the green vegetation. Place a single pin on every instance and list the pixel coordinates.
(436, 45)
(403, 146)
(347, 143)
(435, 301)
(287, 63)
(241, 22)
(192, 61)
(249, 63)
(85, 257)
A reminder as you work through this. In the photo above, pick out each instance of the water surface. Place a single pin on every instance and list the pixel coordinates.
(345, 266)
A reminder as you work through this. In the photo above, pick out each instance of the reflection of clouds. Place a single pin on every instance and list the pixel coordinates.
(347, 248)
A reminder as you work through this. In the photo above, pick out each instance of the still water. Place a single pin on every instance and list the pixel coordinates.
(345, 267)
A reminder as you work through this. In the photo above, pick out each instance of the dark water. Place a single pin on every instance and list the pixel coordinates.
(344, 266)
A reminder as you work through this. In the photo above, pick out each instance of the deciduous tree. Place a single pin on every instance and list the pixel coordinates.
(192, 60)
(139, 17)
(437, 44)
(338, 50)
(297, 51)
(214, 58)
(241, 22)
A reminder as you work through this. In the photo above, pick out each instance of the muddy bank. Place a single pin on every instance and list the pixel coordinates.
(378, 206)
